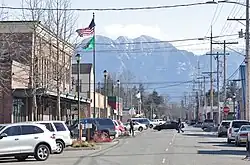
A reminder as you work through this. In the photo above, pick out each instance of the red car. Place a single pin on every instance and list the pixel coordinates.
(121, 126)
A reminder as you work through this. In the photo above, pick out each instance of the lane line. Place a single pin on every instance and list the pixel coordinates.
(163, 160)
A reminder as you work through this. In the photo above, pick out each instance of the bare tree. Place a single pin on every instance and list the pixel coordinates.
(127, 78)
(60, 23)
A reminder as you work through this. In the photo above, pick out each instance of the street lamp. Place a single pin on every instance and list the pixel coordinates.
(78, 59)
(118, 85)
(234, 97)
(105, 73)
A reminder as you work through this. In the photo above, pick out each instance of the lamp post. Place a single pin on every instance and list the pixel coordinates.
(234, 97)
(78, 59)
(105, 73)
(118, 85)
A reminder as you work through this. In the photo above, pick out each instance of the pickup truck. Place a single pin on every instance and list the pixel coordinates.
(156, 122)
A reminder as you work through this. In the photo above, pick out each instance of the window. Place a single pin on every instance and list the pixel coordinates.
(30, 129)
(238, 124)
(60, 127)
(13, 131)
(48, 126)
(105, 121)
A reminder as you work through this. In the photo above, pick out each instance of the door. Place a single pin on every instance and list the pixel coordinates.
(31, 135)
(11, 143)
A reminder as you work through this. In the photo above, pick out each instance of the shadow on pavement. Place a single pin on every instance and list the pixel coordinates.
(212, 142)
(11, 160)
(222, 152)
(200, 135)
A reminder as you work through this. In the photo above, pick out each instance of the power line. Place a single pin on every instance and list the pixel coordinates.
(106, 9)
(234, 73)
(168, 41)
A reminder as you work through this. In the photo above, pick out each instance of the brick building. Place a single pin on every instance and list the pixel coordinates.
(32, 64)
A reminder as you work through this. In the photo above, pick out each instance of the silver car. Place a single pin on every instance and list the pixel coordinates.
(222, 129)
(241, 136)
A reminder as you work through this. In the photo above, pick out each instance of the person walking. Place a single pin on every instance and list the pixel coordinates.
(131, 129)
(179, 125)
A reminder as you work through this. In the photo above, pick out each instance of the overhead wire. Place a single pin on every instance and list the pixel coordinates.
(107, 9)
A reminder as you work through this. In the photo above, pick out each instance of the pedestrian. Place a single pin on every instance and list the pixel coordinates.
(131, 129)
(179, 126)
(248, 150)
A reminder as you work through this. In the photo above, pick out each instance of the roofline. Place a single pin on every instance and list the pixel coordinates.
(43, 28)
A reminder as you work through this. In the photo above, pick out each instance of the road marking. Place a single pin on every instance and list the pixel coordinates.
(170, 143)
(163, 160)
(166, 149)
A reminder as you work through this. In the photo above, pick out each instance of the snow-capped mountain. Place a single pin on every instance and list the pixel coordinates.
(151, 60)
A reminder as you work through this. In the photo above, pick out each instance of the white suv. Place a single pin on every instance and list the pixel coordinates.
(59, 128)
(234, 128)
(22, 140)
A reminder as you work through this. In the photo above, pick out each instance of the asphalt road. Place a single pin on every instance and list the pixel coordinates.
(194, 147)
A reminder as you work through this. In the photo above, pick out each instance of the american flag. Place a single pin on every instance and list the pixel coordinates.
(88, 30)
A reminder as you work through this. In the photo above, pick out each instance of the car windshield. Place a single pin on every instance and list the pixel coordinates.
(208, 121)
(105, 121)
(245, 128)
(225, 124)
(238, 124)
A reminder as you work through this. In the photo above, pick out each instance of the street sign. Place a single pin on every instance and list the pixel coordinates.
(226, 109)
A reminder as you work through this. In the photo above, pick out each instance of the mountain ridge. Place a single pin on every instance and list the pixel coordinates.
(149, 59)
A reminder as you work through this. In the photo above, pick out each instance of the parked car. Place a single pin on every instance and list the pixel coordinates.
(121, 126)
(167, 125)
(155, 122)
(222, 129)
(208, 123)
(22, 140)
(102, 124)
(137, 126)
(145, 121)
(117, 129)
(61, 131)
(241, 136)
(233, 129)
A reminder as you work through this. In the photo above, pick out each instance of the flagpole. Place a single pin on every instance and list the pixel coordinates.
(94, 71)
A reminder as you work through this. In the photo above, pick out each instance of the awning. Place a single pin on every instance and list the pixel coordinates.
(70, 96)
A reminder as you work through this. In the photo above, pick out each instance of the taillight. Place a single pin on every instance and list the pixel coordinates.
(230, 130)
(244, 134)
(53, 136)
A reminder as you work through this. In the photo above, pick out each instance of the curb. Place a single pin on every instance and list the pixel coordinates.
(82, 148)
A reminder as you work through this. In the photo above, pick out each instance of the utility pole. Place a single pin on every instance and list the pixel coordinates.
(203, 85)
(218, 81)
(211, 75)
(199, 91)
(205, 98)
(247, 60)
(225, 67)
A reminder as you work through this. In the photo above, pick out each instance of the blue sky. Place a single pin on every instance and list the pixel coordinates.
(165, 24)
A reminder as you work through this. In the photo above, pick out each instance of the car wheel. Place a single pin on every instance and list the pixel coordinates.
(21, 157)
(140, 129)
(60, 147)
(151, 126)
(159, 129)
(229, 141)
(42, 152)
